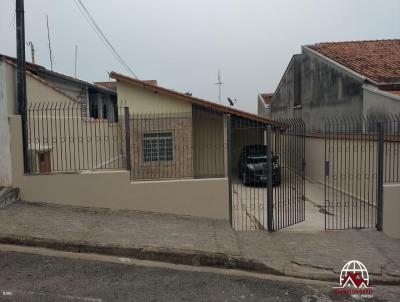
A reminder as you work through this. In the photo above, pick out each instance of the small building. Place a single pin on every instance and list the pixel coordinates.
(98, 102)
(339, 79)
(176, 135)
(264, 104)
(53, 96)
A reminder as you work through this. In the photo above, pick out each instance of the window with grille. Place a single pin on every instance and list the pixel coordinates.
(157, 146)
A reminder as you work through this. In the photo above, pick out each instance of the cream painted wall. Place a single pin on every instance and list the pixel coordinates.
(10, 84)
(315, 159)
(37, 91)
(391, 209)
(113, 189)
(5, 148)
(209, 147)
(141, 100)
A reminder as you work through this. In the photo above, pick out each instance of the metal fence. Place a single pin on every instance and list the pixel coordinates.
(178, 145)
(361, 153)
(266, 174)
(62, 138)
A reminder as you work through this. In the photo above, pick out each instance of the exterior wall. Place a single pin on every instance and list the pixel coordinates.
(141, 100)
(263, 110)
(10, 87)
(322, 88)
(315, 159)
(36, 90)
(379, 103)
(180, 126)
(200, 197)
(209, 146)
(391, 209)
(75, 91)
(327, 90)
(74, 142)
(5, 151)
(287, 95)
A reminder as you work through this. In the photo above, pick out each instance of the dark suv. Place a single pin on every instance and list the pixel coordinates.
(252, 166)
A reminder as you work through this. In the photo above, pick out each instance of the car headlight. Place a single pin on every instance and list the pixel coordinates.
(250, 166)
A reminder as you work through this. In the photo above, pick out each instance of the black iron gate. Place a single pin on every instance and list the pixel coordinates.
(266, 173)
(360, 154)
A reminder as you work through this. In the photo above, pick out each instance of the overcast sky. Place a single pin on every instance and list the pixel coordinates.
(182, 43)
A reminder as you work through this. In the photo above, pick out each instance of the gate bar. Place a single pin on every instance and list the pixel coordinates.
(380, 129)
(269, 179)
(127, 139)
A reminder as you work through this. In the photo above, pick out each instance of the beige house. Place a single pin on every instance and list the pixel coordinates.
(176, 135)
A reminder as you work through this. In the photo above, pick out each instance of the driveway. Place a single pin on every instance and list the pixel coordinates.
(250, 207)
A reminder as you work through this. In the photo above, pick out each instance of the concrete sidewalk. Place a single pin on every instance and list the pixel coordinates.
(199, 241)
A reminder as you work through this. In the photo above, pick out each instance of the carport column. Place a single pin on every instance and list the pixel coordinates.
(269, 179)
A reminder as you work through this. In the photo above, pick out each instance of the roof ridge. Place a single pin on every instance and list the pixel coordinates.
(352, 41)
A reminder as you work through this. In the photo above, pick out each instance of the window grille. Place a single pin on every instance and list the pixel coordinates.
(157, 147)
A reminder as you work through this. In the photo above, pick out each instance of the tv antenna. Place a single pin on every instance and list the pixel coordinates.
(219, 83)
(76, 57)
(30, 44)
(48, 37)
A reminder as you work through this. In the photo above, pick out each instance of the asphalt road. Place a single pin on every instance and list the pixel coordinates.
(32, 277)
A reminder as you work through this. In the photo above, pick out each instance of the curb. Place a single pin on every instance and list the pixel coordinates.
(174, 256)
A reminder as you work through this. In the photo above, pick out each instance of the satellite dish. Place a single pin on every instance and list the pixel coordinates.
(231, 103)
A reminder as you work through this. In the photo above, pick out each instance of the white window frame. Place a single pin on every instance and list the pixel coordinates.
(152, 142)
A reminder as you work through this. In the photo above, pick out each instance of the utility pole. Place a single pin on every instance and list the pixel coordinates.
(21, 78)
(219, 83)
(76, 56)
(48, 37)
(30, 44)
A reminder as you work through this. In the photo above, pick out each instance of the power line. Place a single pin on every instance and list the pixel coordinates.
(88, 17)
(48, 37)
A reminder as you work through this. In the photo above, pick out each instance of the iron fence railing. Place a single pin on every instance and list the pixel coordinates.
(266, 173)
(178, 145)
(361, 153)
(62, 137)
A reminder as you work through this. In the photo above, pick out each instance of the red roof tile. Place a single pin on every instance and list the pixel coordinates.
(377, 60)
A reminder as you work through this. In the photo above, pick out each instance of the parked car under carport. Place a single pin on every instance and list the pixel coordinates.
(252, 166)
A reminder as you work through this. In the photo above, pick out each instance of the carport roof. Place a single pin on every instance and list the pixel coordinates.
(190, 99)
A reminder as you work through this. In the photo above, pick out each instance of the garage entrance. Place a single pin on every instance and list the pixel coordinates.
(266, 174)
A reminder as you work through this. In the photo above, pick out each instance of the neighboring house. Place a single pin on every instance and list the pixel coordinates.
(339, 79)
(97, 101)
(264, 104)
(176, 134)
(57, 102)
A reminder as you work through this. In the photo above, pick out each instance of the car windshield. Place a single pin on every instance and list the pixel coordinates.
(256, 154)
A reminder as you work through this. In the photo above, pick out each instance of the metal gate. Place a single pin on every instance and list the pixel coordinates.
(360, 154)
(266, 174)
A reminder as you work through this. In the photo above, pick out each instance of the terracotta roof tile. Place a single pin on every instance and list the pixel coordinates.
(377, 60)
